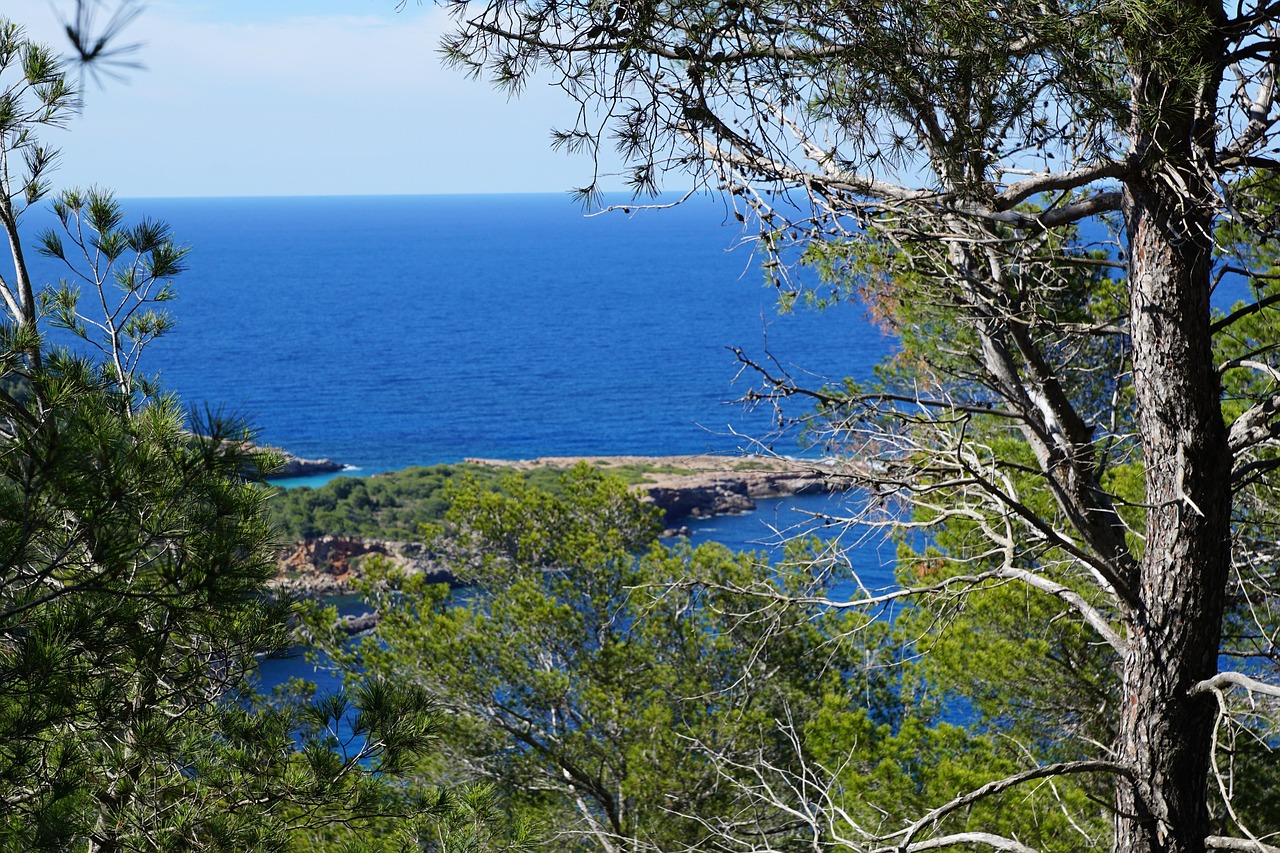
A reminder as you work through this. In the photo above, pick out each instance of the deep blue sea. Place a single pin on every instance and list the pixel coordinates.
(392, 331)
(384, 332)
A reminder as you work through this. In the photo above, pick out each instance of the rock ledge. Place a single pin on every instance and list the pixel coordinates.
(703, 486)
(684, 487)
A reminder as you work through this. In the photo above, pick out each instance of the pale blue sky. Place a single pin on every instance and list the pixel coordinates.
(302, 97)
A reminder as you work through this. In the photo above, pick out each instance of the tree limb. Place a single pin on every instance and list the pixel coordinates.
(999, 842)
(1245, 311)
(1233, 679)
(1245, 845)
(1254, 425)
(1000, 785)
(1019, 192)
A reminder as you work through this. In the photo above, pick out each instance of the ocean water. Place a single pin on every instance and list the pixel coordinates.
(384, 332)
(392, 331)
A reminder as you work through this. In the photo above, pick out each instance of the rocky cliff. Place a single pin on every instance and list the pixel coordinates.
(683, 486)
(327, 565)
(295, 466)
(707, 494)
(702, 486)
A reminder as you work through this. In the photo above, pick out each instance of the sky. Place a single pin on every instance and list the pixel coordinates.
(301, 97)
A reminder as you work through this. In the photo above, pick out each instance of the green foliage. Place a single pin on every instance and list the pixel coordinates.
(392, 506)
(35, 94)
(886, 776)
(1020, 662)
(129, 269)
(132, 613)
(627, 693)
(1055, 428)
(397, 504)
(1020, 670)
(423, 817)
(492, 536)
(566, 668)
(134, 556)
(1250, 242)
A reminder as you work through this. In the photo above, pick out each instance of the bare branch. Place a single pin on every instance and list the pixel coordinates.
(1245, 311)
(1244, 845)
(933, 818)
(859, 185)
(1223, 680)
(1090, 614)
(1255, 425)
(998, 842)
(1017, 193)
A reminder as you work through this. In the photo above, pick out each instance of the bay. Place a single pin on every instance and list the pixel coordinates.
(413, 330)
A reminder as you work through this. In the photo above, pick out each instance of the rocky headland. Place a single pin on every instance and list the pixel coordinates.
(684, 487)
(296, 466)
(327, 565)
(702, 486)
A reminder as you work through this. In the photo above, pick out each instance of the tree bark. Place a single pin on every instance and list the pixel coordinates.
(1175, 622)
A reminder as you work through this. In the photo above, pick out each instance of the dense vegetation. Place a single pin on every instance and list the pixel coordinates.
(389, 506)
(1044, 196)
(395, 505)
(625, 695)
(134, 557)
(1091, 450)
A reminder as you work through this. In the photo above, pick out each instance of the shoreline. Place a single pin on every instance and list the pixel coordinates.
(684, 487)
(701, 485)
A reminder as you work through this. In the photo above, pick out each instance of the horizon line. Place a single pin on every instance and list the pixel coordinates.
(639, 200)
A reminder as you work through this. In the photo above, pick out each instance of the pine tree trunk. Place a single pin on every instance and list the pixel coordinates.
(1175, 628)
(1176, 623)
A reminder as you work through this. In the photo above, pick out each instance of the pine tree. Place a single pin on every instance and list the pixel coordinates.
(134, 554)
(941, 155)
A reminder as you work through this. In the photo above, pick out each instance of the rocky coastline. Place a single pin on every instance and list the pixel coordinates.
(684, 487)
(703, 486)
(296, 466)
(322, 566)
